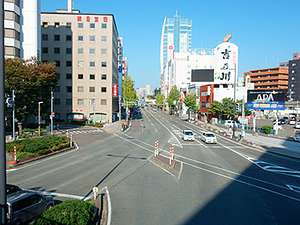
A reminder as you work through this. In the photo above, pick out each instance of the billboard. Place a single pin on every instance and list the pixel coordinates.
(204, 75)
(226, 63)
(266, 99)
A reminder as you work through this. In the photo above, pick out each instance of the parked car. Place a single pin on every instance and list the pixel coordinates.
(293, 121)
(23, 206)
(208, 137)
(10, 188)
(297, 125)
(187, 135)
(229, 123)
(279, 126)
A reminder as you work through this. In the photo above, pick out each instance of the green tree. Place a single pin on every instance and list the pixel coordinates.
(190, 101)
(160, 100)
(32, 82)
(173, 97)
(129, 93)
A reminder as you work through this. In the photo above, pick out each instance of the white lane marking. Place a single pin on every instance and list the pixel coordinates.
(201, 143)
(178, 142)
(294, 188)
(181, 168)
(243, 182)
(212, 166)
(161, 168)
(155, 129)
(108, 207)
(58, 194)
(43, 160)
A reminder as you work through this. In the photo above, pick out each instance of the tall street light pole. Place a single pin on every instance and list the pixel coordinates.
(3, 217)
(39, 119)
(51, 116)
(234, 99)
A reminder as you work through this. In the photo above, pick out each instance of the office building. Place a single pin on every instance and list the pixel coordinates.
(294, 78)
(269, 78)
(22, 28)
(85, 49)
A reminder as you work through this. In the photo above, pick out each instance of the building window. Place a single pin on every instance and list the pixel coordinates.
(80, 76)
(57, 62)
(92, 25)
(45, 24)
(207, 105)
(92, 64)
(68, 25)
(69, 89)
(56, 24)
(80, 25)
(56, 101)
(293, 78)
(103, 38)
(69, 38)
(104, 26)
(80, 89)
(293, 85)
(92, 89)
(92, 76)
(92, 51)
(45, 37)
(103, 89)
(80, 38)
(57, 89)
(58, 76)
(80, 50)
(294, 64)
(103, 51)
(80, 102)
(68, 101)
(68, 50)
(203, 104)
(69, 76)
(92, 38)
(80, 63)
(45, 50)
(68, 63)
(56, 50)
(103, 102)
(56, 37)
(293, 71)
(103, 77)
(103, 64)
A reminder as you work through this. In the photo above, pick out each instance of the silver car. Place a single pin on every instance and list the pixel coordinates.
(23, 206)
(208, 137)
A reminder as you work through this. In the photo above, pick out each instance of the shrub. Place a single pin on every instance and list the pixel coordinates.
(267, 129)
(96, 124)
(69, 212)
(22, 155)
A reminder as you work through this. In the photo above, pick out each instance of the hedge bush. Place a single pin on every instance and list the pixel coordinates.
(267, 129)
(68, 213)
(96, 124)
(38, 146)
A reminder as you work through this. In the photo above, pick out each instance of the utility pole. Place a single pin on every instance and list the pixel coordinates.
(120, 111)
(234, 99)
(3, 209)
(39, 119)
(94, 110)
(13, 115)
(51, 116)
(243, 115)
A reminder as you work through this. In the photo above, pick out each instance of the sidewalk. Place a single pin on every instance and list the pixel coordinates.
(112, 127)
(269, 144)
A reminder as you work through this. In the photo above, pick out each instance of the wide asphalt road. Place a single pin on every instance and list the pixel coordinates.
(224, 183)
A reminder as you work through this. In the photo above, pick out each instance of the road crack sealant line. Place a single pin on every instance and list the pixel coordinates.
(45, 159)
(205, 164)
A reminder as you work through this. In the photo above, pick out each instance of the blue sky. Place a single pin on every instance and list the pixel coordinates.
(266, 31)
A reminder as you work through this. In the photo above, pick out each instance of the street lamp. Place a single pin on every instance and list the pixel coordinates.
(39, 119)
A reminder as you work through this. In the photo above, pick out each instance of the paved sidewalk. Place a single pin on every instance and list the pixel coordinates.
(112, 127)
(269, 144)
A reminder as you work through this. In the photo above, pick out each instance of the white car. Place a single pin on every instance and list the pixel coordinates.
(297, 125)
(208, 137)
(187, 135)
(293, 121)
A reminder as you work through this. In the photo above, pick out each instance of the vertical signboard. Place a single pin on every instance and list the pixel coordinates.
(115, 90)
(266, 99)
(226, 63)
(170, 52)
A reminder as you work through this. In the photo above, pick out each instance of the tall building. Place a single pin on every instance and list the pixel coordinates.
(85, 49)
(294, 78)
(270, 78)
(176, 37)
(22, 28)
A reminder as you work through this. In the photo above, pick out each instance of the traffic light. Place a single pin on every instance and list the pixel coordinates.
(237, 107)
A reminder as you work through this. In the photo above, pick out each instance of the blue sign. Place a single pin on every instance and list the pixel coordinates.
(10, 101)
(266, 99)
(120, 69)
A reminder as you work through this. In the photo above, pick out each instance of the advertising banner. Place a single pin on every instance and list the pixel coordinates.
(226, 63)
(266, 99)
(115, 90)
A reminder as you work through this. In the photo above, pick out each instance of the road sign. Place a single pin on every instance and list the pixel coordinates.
(53, 113)
(9, 101)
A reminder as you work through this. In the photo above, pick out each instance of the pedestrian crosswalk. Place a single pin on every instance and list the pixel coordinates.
(84, 131)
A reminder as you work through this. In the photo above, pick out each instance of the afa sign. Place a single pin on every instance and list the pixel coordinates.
(266, 99)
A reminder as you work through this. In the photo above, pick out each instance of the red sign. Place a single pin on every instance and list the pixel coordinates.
(115, 90)
(96, 19)
(88, 19)
(53, 113)
(78, 18)
(105, 19)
